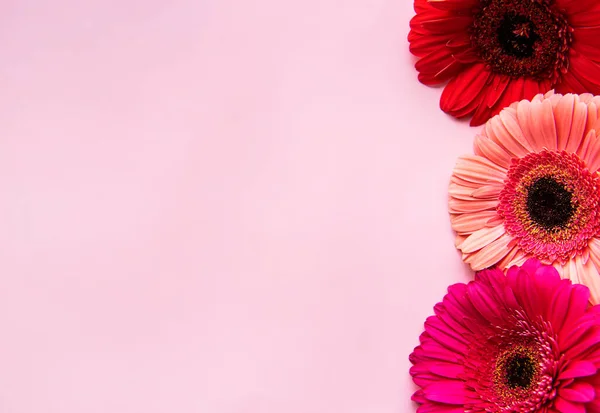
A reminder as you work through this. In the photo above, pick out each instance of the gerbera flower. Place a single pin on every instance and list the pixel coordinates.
(524, 342)
(532, 189)
(495, 52)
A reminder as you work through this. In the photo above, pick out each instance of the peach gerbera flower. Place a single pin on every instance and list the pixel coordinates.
(532, 189)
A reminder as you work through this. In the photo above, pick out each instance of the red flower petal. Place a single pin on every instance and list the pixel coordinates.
(494, 93)
(466, 56)
(421, 44)
(448, 72)
(447, 24)
(588, 36)
(453, 5)
(576, 6)
(464, 88)
(586, 18)
(416, 23)
(588, 50)
(586, 71)
(435, 61)
(531, 88)
(569, 83)
(513, 93)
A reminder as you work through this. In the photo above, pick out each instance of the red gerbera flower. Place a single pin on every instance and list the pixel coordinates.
(495, 52)
(525, 342)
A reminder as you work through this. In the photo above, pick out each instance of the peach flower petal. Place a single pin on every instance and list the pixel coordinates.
(542, 126)
(490, 254)
(594, 248)
(469, 223)
(524, 117)
(588, 275)
(592, 117)
(563, 114)
(513, 254)
(577, 127)
(488, 148)
(462, 206)
(479, 239)
(467, 193)
(509, 120)
(479, 170)
(592, 156)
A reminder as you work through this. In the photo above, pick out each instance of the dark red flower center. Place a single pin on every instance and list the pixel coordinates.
(516, 371)
(522, 38)
(517, 35)
(520, 369)
(549, 203)
(512, 369)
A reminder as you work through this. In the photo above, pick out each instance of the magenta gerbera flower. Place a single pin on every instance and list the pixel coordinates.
(525, 342)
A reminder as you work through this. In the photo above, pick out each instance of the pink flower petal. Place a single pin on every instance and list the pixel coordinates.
(484, 302)
(484, 321)
(579, 335)
(565, 406)
(445, 337)
(558, 307)
(419, 396)
(577, 369)
(439, 408)
(448, 391)
(579, 392)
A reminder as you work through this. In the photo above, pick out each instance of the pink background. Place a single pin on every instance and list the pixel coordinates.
(217, 206)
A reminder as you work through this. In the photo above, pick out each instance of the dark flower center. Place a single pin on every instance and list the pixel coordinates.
(520, 376)
(517, 38)
(549, 203)
(520, 370)
(517, 35)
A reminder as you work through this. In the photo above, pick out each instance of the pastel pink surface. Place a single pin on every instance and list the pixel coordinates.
(217, 206)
